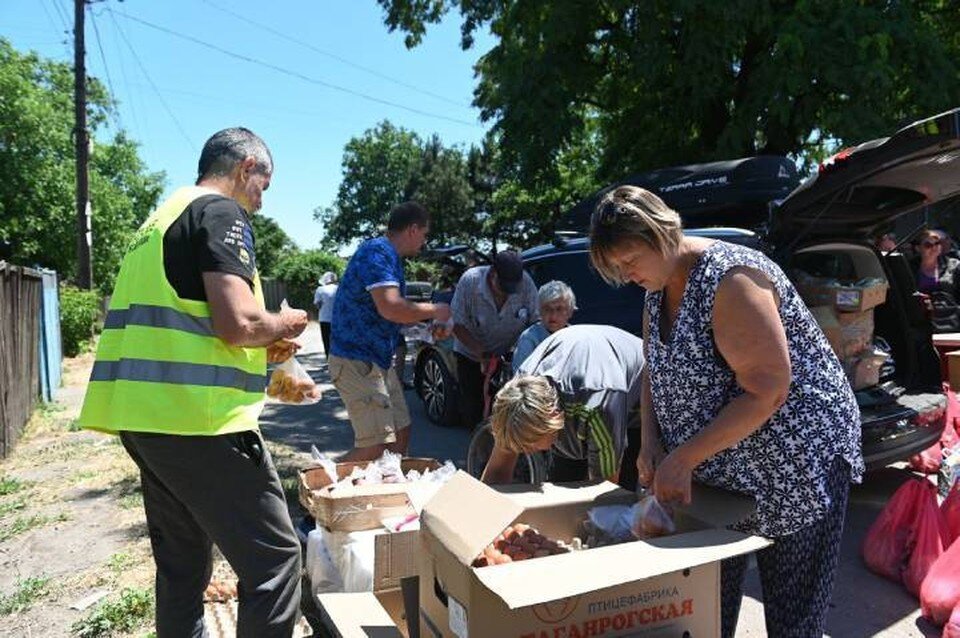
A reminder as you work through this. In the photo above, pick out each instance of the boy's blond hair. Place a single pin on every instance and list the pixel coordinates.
(525, 410)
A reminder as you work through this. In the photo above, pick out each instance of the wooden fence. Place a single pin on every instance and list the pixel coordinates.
(21, 290)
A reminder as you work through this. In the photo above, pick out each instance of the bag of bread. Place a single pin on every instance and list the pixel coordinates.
(290, 384)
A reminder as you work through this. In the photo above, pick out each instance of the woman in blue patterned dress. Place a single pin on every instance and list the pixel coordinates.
(741, 391)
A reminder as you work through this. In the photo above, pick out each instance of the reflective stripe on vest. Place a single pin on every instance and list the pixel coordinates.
(179, 373)
(158, 317)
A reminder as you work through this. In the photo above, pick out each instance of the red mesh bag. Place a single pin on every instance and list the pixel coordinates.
(940, 592)
(927, 541)
(952, 628)
(950, 509)
(886, 548)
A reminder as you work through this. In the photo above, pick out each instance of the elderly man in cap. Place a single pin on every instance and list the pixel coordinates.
(492, 305)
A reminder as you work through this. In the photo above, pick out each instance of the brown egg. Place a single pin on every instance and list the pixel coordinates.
(521, 556)
(541, 553)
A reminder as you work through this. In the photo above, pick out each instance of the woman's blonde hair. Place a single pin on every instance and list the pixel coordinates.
(525, 410)
(625, 215)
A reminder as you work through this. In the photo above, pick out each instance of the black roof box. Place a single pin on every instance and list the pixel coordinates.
(732, 192)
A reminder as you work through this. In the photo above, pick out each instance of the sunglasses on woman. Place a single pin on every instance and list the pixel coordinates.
(930, 243)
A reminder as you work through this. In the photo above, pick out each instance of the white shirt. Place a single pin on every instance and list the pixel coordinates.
(323, 300)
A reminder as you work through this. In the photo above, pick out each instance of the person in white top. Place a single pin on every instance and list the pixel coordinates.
(323, 300)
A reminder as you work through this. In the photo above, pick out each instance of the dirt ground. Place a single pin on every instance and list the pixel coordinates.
(72, 526)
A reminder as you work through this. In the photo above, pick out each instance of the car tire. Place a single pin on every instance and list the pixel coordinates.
(531, 468)
(437, 389)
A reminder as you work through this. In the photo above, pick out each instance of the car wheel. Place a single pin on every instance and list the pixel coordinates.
(531, 468)
(437, 389)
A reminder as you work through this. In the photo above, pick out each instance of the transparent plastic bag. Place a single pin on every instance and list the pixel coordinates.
(610, 524)
(289, 382)
(650, 519)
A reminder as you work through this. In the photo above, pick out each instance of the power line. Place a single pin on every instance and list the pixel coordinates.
(114, 110)
(334, 56)
(63, 16)
(163, 102)
(290, 73)
(126, 82)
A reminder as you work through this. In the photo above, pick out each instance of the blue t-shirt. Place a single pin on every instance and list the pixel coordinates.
(358, 331)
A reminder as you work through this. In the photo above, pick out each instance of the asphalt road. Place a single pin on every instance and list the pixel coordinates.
(863, 604)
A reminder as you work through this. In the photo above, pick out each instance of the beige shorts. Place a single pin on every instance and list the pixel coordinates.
(374, 400)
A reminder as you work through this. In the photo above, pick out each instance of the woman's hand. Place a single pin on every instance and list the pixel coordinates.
(647, 462)
(672, 480)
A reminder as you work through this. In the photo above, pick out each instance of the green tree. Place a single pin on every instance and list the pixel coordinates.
(678, 81)
(301, 271)
(389, 165)
(378, 171)
(442, 185)
(37, 170)
(273, 244)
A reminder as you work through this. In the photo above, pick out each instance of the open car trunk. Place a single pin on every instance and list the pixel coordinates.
(905, 408)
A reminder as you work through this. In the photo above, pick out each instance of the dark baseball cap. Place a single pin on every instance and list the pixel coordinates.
(509, 268)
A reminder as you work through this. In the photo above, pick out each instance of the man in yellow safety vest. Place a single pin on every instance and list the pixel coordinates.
(180, 375)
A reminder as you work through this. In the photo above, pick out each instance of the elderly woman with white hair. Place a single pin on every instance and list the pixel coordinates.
(557, 304)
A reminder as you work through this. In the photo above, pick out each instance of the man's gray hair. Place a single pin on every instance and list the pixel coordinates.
(553, 290)
(227, 148)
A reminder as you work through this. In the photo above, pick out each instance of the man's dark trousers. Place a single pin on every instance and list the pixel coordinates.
(199, 490)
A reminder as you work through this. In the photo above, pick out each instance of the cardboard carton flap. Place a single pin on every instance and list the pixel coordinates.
(532, 582)
(357, 615)
(718, 507)
(466, 515)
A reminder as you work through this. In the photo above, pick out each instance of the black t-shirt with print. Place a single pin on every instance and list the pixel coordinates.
(213, 234)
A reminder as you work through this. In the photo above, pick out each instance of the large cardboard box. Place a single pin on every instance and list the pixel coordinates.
(849, 333)
(381, 611)
(665, 586)
(358, 507)
(953, 370)
(844, 298)
(363, 615)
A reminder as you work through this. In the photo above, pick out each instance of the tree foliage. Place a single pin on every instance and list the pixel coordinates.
(378, 172)
(301, 271)
(273, 244)
(37, 188)
(388, 165)
(679, 81)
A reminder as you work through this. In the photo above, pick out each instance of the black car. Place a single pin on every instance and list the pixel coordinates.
(825, 226)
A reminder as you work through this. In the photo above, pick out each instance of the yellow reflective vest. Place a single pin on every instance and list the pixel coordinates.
(160, 367)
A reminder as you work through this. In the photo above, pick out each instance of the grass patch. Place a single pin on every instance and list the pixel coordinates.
(125, 614)
(73, 425)
(22, 524)
(12, 506)
(25, 594)
(9, 485)
(119, 562)
(131, 501)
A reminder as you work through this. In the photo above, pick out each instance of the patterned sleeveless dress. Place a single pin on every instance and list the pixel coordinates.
(785, 464)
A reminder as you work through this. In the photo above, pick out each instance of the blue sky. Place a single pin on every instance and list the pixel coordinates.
(174, 92)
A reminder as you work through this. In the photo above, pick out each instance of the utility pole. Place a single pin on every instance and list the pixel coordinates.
(82, 141)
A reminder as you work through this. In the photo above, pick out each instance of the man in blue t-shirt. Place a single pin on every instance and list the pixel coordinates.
(367, 314)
